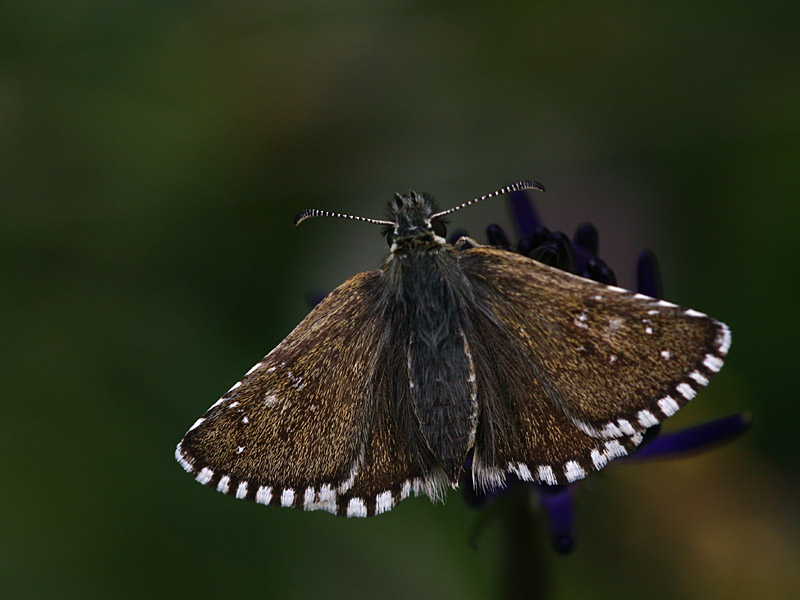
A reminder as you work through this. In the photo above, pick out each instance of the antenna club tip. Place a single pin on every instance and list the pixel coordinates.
(300, 217)
(530, 184)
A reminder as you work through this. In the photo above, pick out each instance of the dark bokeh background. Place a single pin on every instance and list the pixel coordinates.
(152, 156)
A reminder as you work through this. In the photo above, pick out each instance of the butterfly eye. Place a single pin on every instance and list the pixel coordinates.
(439, 228)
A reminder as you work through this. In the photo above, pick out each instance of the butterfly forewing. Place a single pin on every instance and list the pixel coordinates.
(299, 418)
(613, 362)
(520, 429)
(321, 422)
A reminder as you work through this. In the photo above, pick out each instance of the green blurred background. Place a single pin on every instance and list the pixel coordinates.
(152, 156)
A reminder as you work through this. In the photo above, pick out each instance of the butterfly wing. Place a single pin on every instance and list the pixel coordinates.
(317, 423)
(579, 369)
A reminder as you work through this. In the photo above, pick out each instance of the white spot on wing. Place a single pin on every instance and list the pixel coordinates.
(626, 427)
(405, 490)
(270, 400)
(611, 430)
(642, 297)
(264, 494)
(521, 471)
(241, 490)
(356, 508)
(666, 354)
(197, 423)
(205, 475)
(297, 382)
(667, 304)
(648, 330)
(646, 418)
(179, 456)
(573, 471)
(546, 475)
(287, 497)
(690, 312)
(308, 498)
(223, 484)
(245, 420)
(239, 449)
(698, 377)
(713, 363)
(668, 406)
(685, 390)
(383, 502)
(327, 499)
(614, 449)
(599, 459)
(724, 339)
(326, 492)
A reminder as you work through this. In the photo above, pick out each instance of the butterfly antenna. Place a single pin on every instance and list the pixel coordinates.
(313, 212)
(528, 184)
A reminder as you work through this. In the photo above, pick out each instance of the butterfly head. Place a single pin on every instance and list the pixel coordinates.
(413, 217)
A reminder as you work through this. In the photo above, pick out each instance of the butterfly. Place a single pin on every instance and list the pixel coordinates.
(383, 389)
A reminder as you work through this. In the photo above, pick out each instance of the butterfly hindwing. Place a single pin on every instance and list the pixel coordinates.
(520, 429)
(398, 461)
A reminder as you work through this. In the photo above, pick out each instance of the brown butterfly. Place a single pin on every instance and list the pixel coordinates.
(380, 392)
